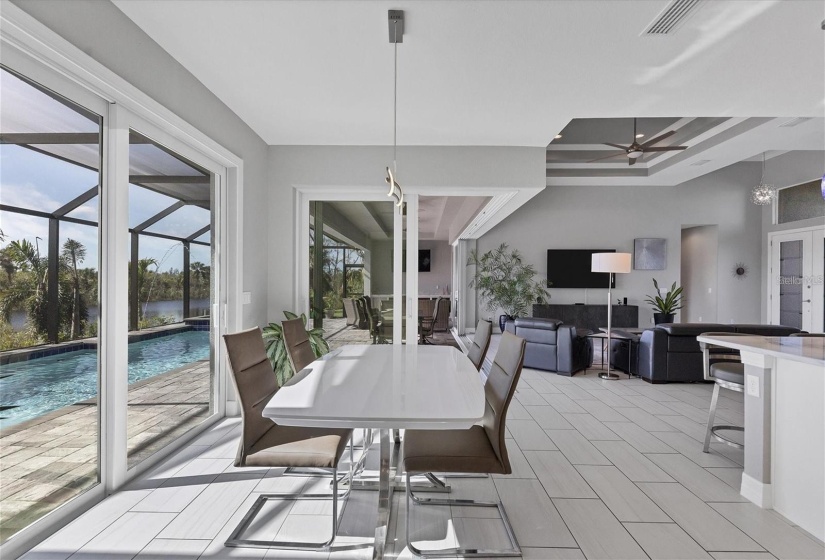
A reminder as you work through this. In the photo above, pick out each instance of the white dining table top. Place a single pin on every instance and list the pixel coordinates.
(383, 387)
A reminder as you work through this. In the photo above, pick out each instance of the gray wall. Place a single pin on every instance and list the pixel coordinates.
(434, 282)
(103, 32)
(581, 217)
(700, 247)
(344, 167)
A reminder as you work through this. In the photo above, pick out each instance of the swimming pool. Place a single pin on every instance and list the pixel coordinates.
(36, 387)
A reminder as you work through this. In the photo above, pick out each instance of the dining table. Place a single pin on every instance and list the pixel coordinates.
(383, 388)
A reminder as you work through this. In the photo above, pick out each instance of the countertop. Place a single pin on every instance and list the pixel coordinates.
(794, 348)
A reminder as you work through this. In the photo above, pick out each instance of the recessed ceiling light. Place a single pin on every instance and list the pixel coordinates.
(640, 135)
(557, 136)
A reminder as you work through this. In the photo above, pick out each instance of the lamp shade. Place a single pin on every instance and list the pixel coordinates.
(610, 262)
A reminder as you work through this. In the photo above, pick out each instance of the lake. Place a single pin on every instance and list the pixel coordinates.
(169, 308)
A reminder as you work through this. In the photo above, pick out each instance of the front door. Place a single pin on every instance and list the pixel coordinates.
(796, 279)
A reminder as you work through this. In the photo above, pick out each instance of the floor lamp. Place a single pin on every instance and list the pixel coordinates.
(612, 263)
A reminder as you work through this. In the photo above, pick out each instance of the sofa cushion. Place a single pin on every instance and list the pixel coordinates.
(694, 329)
(537, 323)
(766, 330)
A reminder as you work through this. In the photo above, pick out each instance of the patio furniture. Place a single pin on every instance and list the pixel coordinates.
(350, 312)
(724, 367)
(385, 387)
(266, 444)
(426, 325)
(481, 343)
(481, 449)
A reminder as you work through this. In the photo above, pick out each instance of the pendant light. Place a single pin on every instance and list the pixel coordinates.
(763, 194)
(396, 20)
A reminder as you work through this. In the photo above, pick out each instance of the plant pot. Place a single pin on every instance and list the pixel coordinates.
(659, 318)
(502, 320)
(329, 313)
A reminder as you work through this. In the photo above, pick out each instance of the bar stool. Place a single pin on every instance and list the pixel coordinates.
(724, 368)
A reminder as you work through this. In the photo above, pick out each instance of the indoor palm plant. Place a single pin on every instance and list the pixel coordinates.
(505, 282)
(665, 308)
(276, 347)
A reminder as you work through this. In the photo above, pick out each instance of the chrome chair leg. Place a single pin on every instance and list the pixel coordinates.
(713, 430)
(235, 540)
(460, 551)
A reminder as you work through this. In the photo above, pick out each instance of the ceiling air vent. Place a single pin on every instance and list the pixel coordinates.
(794, 122)
(672, 17)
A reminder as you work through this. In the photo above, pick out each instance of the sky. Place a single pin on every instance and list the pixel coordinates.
(36, 181)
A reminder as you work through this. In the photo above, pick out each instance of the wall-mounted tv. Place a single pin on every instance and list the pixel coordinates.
(570, 268)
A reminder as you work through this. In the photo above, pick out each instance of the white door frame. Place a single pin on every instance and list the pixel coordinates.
(812, 273)
(307, 194)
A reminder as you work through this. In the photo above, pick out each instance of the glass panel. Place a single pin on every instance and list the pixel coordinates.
(49, 389)
(356, 261)
(790, 287)
(171, 380)
(801, 202)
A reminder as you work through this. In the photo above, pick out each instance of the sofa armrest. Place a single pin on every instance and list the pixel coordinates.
(573, 352)
(510, 327)
(653, 354)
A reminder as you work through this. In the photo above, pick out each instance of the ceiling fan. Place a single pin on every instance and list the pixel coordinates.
(635, 150)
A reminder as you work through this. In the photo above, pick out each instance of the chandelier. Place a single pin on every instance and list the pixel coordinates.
(763, 194)
(396, 20)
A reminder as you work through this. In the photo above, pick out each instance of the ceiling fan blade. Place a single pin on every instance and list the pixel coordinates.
(620, 154)
(665, 148)
(632, 161)
(658, 138)
(625, 148)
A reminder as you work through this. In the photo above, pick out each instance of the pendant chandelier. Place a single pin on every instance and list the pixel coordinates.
(396, 20)
(763, 194)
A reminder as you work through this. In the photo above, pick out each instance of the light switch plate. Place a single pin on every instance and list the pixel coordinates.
(752, 384)
(247, 298)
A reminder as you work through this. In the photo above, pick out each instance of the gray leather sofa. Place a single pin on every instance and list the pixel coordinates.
(553, 346)
(670, 352)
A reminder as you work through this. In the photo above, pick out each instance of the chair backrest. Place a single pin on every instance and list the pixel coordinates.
(297, 344)
(436, 308)
(499, 390)
(349, 311)
(255, 383)
(712, 353)
(481, 343)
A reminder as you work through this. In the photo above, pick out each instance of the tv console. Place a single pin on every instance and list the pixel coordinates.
(591, 317)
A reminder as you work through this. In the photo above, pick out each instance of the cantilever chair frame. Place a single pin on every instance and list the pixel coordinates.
(711, 431)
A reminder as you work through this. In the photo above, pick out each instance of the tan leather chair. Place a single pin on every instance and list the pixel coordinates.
(481, 343)
(298, 348)
(266, 444)
(481, 449)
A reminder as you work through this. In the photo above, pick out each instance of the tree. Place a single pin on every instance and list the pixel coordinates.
(29, 289)
(142, 277)
(74, 252)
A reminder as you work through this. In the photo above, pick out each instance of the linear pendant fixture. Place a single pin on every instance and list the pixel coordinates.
(396, 28)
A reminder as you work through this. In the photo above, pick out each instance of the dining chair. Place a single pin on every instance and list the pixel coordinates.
(481, 343)
(724, 367)
(266, 444)
(426, 325)
(481, 449)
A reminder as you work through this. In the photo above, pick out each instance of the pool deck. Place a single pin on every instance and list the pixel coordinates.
(47, 460)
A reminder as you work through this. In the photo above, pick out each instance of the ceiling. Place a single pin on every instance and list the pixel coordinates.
(440, 218)
(494, 73)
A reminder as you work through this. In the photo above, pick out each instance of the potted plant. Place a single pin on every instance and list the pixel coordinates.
(332, 301)
(665, 307)
(505, 282)
(276, 347)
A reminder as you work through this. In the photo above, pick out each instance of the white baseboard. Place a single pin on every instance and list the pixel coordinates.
(757, 492)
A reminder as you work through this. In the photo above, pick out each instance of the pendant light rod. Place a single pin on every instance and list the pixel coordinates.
(396, 29)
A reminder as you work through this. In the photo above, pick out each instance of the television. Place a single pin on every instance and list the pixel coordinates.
(570, 268)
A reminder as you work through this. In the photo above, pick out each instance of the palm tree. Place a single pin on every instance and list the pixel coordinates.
(74, 252)
(28, 289)
(142, 276)
(200, 276)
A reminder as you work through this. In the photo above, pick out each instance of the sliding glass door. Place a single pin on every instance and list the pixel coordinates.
(51, 155)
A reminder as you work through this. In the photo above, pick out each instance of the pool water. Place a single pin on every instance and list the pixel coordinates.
(36, 387)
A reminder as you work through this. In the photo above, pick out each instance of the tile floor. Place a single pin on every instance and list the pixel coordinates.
(600, 470)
